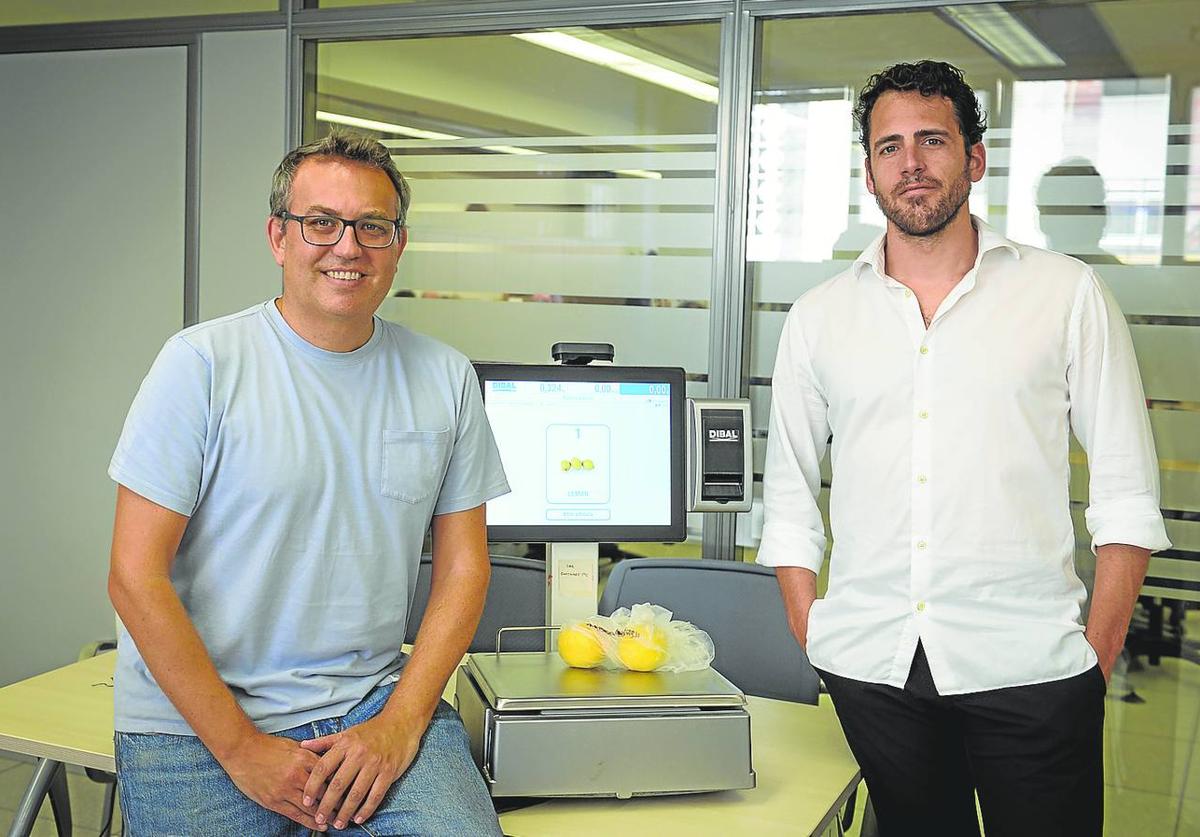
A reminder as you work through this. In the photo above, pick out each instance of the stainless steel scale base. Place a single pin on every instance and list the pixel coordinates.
(540, 728)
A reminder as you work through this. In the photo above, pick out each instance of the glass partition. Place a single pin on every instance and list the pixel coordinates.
(563, 185)
(1093, 151)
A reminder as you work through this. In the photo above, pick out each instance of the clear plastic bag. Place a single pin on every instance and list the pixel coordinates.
(641, 638)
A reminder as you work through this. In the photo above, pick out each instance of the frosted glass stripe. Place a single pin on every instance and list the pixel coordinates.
(1079, 191)
(560, 141)
(1181, 129)
(765, 330)
(1180, 489)
(787, 281)
(649, 231)
(1056, 191)
(1144, 289)
(678, 277)
(1170, 593)
(1180, 155)
(551, 248)
(1169, 358)
(1000, 156)
(1179, 569)
(645, 161)
(1177, 437)
(524, 333)
(1139, 289)
(698, 191)
(1184, 535)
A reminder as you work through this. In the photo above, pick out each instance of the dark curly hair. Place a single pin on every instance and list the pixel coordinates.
(929, 78)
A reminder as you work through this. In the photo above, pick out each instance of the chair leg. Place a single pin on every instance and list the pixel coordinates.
(60, 802)
(106, 816)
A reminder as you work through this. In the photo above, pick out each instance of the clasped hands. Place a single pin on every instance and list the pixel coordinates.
(335, 779)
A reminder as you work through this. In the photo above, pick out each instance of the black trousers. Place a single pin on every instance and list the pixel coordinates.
(1033, 753)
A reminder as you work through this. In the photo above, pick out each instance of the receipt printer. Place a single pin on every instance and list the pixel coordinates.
(720, 461)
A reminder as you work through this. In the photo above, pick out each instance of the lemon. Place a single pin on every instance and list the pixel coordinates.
(576, 463)
(644, 649)
(588, 464)
(565, 464)
(579, 646)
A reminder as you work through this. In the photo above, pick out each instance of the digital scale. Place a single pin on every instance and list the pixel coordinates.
(540, 728)
(599, 453)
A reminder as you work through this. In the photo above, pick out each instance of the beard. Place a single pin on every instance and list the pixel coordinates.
(930, 214)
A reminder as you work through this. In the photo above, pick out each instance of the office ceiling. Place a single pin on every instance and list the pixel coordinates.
(504, 86)
(500, 85)
(498, 82)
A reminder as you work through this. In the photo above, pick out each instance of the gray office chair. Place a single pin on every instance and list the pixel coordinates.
(738, 605)
(516, 596)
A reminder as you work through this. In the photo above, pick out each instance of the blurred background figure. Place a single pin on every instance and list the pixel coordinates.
(1073, 214)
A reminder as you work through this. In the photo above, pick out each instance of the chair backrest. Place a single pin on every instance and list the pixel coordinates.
(738, 605)
(516, 596)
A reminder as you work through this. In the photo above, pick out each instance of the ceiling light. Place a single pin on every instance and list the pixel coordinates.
(383, 127)
(511, 149)
(628, 60)
(415, 133)
(998, 31)
(421, 133)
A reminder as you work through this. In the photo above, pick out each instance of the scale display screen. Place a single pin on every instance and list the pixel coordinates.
(591, 453)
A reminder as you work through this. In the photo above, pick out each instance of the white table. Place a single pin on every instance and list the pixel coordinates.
(805, 770)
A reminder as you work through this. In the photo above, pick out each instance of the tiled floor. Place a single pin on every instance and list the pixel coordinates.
(1152, 761)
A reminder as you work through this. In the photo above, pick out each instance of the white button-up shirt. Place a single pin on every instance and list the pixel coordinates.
(949, 506)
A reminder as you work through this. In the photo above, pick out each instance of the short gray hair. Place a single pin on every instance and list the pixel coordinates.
(343, 145)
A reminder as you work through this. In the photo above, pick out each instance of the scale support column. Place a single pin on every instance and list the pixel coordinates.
(572, 582)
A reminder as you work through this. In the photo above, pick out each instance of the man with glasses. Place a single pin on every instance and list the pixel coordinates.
(277, 473)
(949, 365)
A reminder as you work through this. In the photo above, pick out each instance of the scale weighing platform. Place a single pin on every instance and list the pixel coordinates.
(541, 728)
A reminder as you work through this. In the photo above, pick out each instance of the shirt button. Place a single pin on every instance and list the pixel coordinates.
(921, 478)
(920, 607)
(923, 414)
(907, 293)
(921, 544)
(924, 350)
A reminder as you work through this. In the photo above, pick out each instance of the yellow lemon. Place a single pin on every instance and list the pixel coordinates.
(579, 646)
(588, 464)
(576, 463)
(644, 649)
(565, 464)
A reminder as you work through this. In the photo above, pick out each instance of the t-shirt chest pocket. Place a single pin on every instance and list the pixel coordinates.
(413, 462)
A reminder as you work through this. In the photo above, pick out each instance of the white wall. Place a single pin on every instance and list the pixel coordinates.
(92, 139)
(91, 266)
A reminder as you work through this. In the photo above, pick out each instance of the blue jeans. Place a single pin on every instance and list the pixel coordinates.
(172, 785)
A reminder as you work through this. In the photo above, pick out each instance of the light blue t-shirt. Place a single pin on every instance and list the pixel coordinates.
(310, 478)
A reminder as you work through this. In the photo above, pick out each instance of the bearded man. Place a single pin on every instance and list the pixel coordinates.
(945, 371)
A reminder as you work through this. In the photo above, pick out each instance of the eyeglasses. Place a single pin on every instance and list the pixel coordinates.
(327, 230)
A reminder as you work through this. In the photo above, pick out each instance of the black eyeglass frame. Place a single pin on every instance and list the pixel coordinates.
(346, 223)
